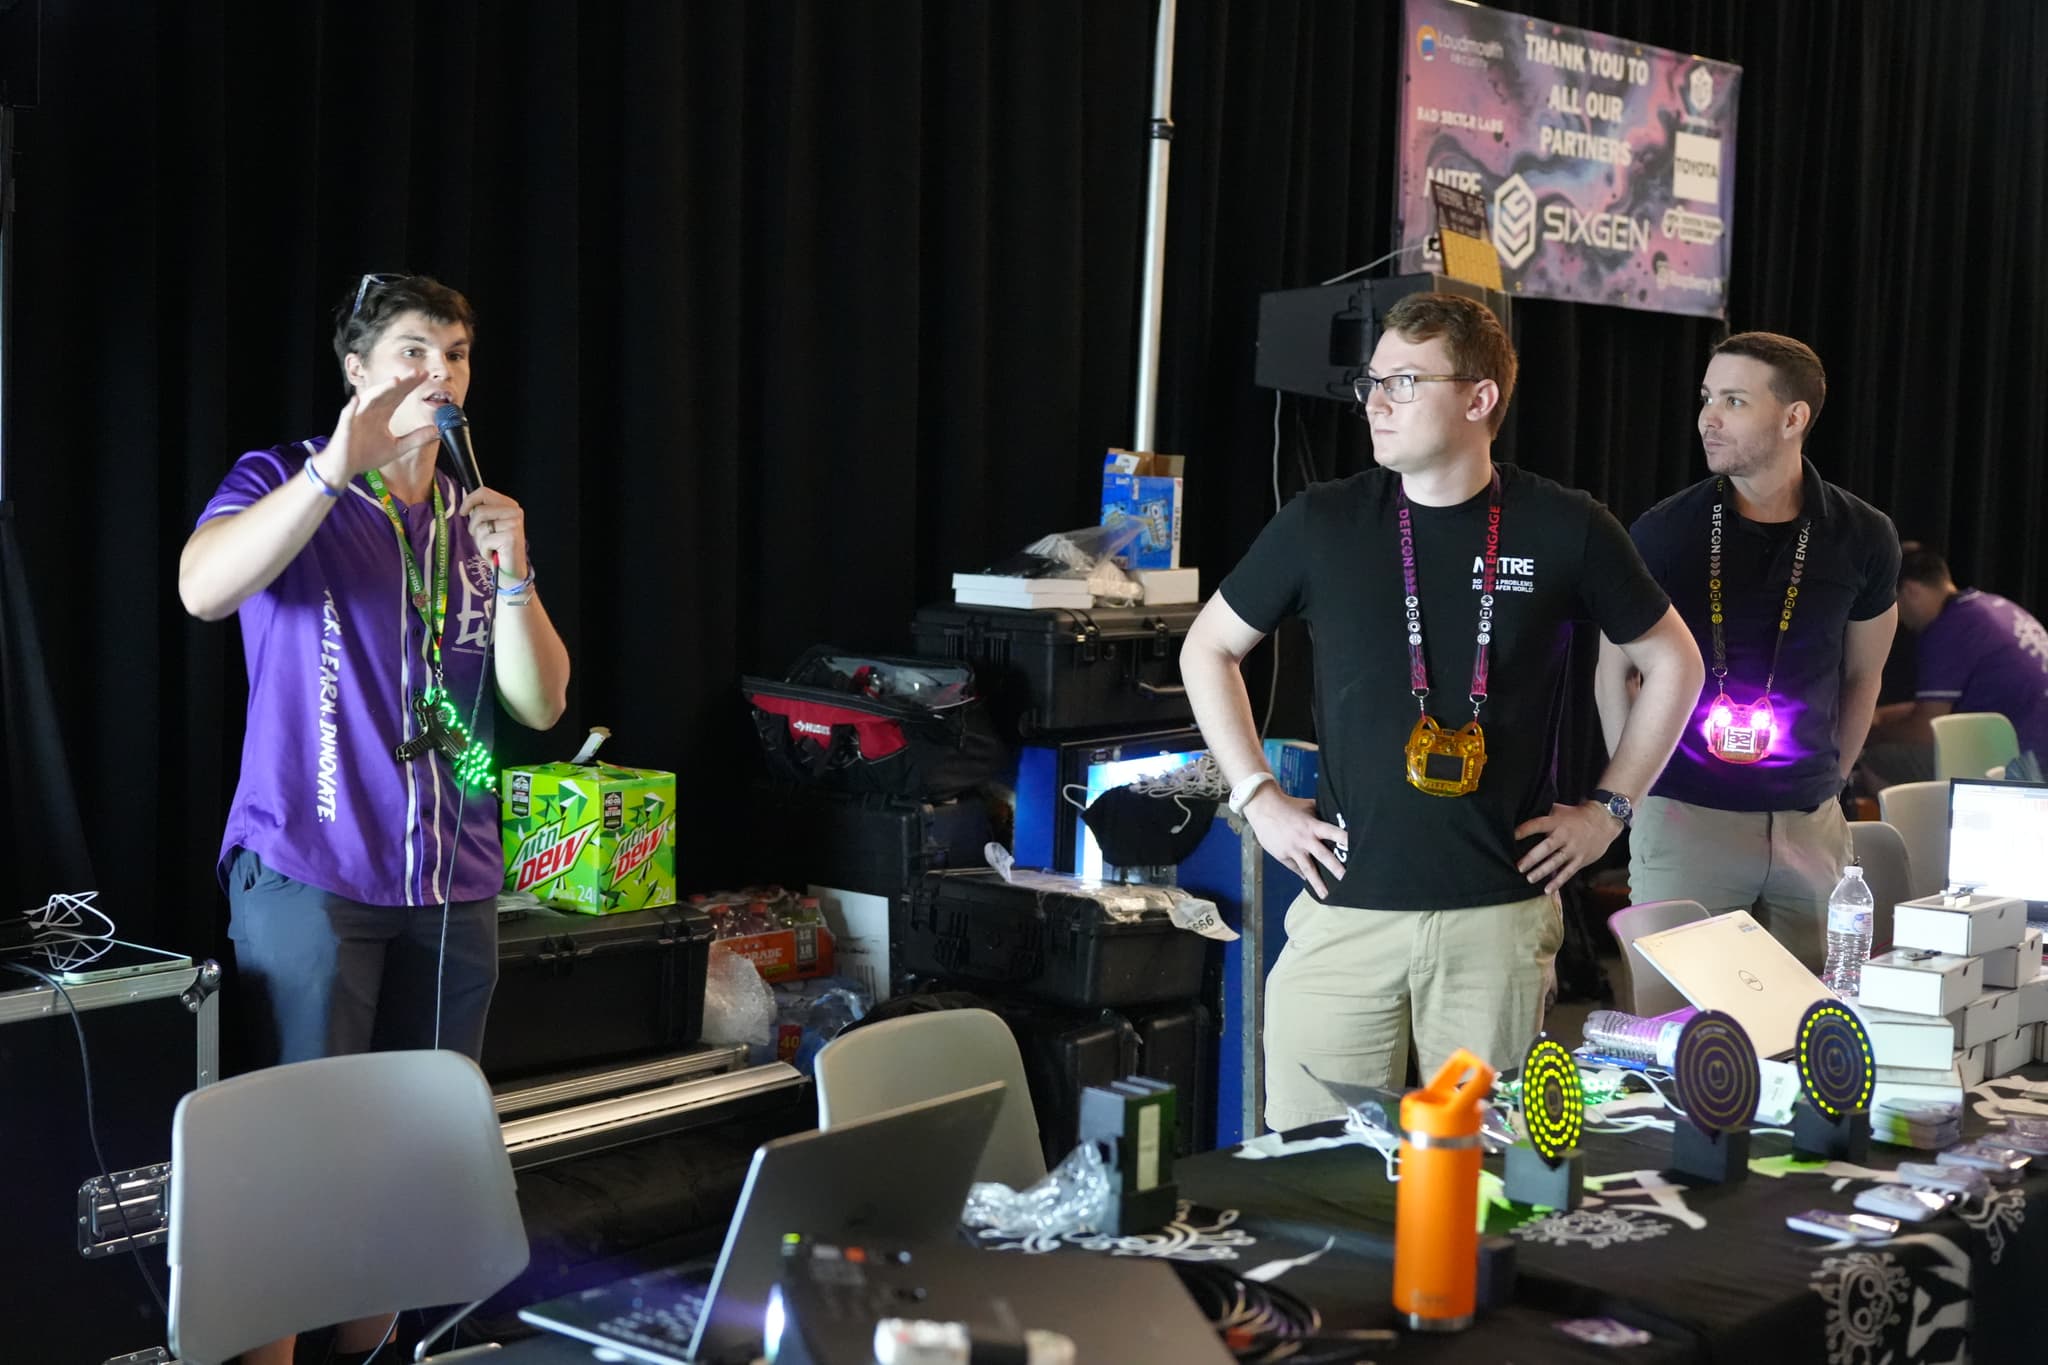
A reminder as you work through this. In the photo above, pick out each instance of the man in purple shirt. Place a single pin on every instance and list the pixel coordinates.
(362, 857)
(1977, 652)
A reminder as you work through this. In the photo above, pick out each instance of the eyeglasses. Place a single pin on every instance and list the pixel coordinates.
(380, 281)
(1400, 388)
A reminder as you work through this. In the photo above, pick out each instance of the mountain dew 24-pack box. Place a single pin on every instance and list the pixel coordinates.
(590, 837)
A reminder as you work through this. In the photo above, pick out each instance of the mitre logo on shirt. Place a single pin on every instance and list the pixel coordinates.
(1511, 573)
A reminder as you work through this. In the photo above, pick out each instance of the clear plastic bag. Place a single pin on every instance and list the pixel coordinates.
(1073, 1196)
(739, 1007)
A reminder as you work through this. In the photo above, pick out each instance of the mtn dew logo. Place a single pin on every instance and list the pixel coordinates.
(639, 846)
(547, 853)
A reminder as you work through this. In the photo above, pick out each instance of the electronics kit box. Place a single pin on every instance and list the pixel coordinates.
(1145, 488)
(590, 837)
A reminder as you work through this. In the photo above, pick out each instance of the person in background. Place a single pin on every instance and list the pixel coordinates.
(1786, 582)
(1975, 651)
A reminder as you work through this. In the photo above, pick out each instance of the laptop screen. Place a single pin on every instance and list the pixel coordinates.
(1998, 837)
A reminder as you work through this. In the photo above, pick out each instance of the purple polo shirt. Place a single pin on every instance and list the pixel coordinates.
(335, 652)
(1984, 653)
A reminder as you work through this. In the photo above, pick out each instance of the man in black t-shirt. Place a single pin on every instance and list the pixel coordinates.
(1802, 576)
(1433, 871)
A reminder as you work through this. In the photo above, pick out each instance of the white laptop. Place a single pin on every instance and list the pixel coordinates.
(1732, 964)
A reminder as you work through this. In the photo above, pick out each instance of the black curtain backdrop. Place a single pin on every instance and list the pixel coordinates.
(791, 309)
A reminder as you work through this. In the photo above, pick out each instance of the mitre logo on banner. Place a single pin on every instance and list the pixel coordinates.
(1514, 221)
(1511, 573)
(1699, 89)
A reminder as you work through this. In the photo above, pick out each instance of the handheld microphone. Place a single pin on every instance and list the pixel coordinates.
(457, 447)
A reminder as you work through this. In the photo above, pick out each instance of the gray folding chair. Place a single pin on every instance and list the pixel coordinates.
(331, 1190)
(923, 1056)
(1919, 812)
(1886, 870)
(1971, 743)
(1644, 989)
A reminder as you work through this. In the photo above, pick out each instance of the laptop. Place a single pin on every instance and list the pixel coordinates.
(1996, 834)
(1732, 964)
(902, 1174)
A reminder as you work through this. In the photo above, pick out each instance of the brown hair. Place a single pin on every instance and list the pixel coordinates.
(1796, 373)
(363, 314)
(1478, 344)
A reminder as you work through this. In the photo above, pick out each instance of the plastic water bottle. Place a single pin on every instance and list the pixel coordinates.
(1851, 912)
(1632, 1037)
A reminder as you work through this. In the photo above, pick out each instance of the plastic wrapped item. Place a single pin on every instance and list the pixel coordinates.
(1071, 554)
(1073, 1196)
(810, 1014)
(739, 1007)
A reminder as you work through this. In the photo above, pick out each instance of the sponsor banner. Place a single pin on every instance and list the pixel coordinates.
(1608, 166)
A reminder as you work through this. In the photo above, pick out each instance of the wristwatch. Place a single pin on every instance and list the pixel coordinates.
(1616, 805)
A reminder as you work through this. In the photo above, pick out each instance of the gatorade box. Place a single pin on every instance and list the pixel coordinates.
(590, 837)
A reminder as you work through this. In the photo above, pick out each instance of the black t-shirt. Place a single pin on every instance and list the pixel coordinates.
(1332, 557)
(1852, 571)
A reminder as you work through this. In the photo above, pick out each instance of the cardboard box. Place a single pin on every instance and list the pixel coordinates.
(592, 838)
(2034, 999)
(2011, 968)
(1994, 1014)
(2010, 1053)
(1146, 488)
(1968, 925)
(1920, 1041)
(860, 936)
(786, 954)
(1915, 981)
(1169, 587)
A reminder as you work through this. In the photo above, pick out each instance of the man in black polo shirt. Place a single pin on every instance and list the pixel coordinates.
(1788, 583)
(1440, 589)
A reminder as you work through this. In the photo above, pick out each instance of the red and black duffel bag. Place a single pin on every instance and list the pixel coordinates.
(872, 723)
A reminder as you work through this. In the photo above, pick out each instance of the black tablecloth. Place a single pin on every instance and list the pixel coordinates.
(1712, 1272)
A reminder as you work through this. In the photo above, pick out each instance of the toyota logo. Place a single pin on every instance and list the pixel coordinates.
(1749, 979)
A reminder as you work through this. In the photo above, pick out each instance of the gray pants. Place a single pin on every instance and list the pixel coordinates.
(327, 975)
(1780, 865)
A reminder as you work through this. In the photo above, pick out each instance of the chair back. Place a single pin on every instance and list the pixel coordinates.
(1645, 991)
(324, 1191)
(1887, 870)
(922, 1056)
(1968, 743)
(1919, 812)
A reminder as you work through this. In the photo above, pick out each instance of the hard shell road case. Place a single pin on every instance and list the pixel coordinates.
(1054, 670)
(68, 1258)
(580, 989)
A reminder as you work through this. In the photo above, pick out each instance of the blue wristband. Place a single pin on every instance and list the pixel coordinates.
(314, 478)
(521, 586)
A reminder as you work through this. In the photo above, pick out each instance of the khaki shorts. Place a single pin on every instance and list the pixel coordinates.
(1352, 986)
(1779, 865)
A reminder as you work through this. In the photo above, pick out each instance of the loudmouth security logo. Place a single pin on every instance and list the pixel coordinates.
(1514, 221)
(1699, 89)
(1425, 42)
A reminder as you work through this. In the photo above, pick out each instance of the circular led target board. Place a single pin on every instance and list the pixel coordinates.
(1553, 1102)
(1716, 1073)
(1836, 1067)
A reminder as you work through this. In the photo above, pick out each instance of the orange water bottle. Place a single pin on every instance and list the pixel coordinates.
(1436, 1214)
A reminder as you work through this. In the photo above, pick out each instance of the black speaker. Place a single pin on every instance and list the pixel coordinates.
(21, 52)
(1317, 341)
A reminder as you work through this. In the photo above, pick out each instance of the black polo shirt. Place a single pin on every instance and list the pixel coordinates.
(1852, 572)
(1333, 557)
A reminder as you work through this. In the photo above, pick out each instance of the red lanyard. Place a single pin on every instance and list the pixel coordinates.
(1418, 665)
